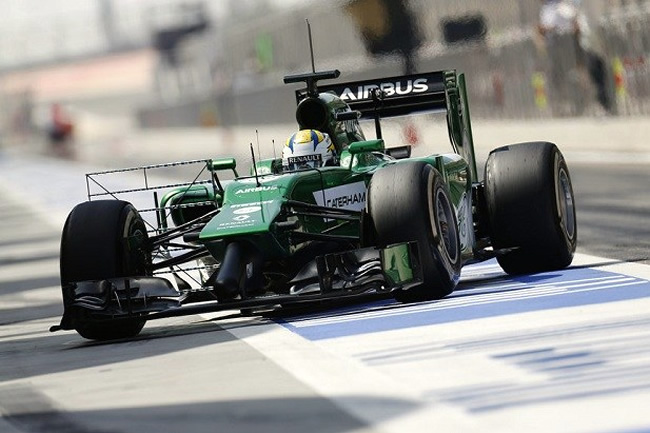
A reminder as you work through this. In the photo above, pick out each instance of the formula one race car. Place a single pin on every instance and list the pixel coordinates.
(337, 216)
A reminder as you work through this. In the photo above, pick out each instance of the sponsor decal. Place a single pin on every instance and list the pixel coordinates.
(419, 85)
(238, 224)
(258, 204)
(351, 196)
(304, 158)
(347, 201)
(256, 189)
(243, 220)
(246, 210)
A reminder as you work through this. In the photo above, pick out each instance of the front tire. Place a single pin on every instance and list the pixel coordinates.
(531, 207)
(103, 239)
(410, 202)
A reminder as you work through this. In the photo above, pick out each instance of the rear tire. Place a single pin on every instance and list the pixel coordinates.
(531, 207)
(410, 202)
(103, 239)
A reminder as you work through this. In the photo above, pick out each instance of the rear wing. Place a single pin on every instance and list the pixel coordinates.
(440, 91)
(401, 95)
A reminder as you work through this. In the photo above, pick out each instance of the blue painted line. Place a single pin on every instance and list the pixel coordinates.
(525, 353)
(561, 357)
(574, 287)
(581, 365)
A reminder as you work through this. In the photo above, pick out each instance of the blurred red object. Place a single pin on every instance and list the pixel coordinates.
(61, 127)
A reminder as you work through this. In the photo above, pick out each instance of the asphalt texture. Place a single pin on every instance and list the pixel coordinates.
(189, 374)
(613, 210)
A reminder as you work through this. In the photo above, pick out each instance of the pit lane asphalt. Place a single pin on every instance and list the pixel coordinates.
(186, 375)
(613, 210)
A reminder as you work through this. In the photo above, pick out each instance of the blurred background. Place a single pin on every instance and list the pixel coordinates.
(94, 68)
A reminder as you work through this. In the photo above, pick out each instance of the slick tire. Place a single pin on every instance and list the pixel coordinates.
(530, 207)
(409, 201)
(102, 239)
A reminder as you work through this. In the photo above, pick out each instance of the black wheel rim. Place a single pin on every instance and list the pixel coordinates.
(135, 245)
(446, 226)
(566, 205)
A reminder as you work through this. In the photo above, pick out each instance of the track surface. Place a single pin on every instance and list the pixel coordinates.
(561, 351)
(613, 213)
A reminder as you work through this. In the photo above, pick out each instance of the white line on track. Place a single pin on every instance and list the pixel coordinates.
(479, 299)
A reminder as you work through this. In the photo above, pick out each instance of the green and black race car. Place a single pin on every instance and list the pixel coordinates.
(371, 220)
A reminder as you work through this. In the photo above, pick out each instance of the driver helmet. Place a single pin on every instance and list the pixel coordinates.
(308, 148)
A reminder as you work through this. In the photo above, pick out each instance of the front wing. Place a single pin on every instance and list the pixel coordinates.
(341, 275)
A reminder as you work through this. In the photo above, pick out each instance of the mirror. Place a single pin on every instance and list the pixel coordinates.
(366, 146)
